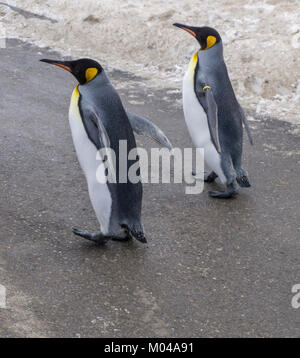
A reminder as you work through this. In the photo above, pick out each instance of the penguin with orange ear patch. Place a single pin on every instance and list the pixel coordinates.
(212, 113)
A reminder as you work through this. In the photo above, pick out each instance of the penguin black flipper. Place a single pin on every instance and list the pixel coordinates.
(144, 126)
(100, 138)
(92, 121)
(207, 101)
(246, 124)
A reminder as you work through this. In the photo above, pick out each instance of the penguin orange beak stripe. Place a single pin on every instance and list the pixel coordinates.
(189, 31)
(57, 63)
(186, 28)
(62, 66)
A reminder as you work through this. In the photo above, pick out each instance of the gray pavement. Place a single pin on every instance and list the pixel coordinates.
(211, 268)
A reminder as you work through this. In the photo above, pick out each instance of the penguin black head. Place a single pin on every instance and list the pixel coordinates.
(84, 69)
(206, 36)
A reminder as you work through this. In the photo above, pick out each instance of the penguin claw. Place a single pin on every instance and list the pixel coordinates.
(243, 181)
(97, 238)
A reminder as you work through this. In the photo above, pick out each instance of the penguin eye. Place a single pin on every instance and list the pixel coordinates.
(90, 73)
(210, 41)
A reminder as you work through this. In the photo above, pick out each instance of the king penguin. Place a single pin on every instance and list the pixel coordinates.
(98, 120)
(212, 113)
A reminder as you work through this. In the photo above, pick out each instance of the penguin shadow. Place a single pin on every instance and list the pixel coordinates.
(111, 245)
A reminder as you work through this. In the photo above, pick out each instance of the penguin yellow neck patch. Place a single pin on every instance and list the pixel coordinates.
(193, 63)
(75, 95)
(210, 41)
(74, 109)
(90, 73)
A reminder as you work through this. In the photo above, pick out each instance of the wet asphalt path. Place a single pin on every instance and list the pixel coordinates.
(211, 268)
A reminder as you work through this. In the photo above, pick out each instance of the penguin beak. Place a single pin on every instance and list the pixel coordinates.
(189, 29)
(63, 64)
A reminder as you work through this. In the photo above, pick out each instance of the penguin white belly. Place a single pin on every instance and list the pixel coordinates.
(86, 152)
(196, 121)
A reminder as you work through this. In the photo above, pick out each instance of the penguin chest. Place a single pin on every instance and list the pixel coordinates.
(194, 114)
(91, 164)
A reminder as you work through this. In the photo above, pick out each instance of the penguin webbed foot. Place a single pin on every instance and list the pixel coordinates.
(231, 192)
(134, 234)
(98, 238)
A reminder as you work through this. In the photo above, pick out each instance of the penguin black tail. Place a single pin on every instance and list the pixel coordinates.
(134, 233)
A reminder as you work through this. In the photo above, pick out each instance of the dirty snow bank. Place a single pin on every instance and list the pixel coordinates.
(261, 40)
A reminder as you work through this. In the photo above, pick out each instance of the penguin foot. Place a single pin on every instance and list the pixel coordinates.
(229, 193)
(209, 178)
(243, 181)
(123, 239)
(97, 238)
(132, 233)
